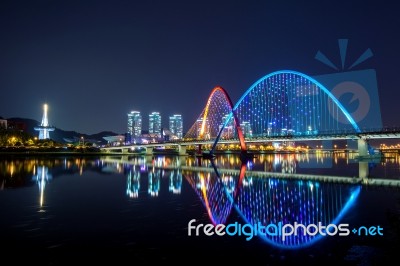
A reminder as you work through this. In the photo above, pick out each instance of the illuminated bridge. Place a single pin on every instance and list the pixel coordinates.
(281, 106)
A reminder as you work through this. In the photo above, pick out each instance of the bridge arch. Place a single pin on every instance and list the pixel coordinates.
(288, 102)
(219, 106)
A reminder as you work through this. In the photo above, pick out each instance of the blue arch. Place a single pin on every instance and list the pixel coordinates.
(349, 203)
(331, 96)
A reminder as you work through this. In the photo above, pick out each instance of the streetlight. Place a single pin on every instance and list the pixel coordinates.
(83, 141)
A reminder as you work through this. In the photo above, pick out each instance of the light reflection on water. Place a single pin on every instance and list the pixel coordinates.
(225, 188)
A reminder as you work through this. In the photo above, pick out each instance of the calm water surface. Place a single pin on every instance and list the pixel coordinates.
(63, 210)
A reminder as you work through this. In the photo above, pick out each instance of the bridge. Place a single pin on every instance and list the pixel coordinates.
(280, 107)
(181, 144)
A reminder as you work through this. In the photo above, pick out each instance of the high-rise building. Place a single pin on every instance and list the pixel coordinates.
(134, 124)
(202, 131)
(229, 129)
(246, 129)
(155, 123)
(176, 125)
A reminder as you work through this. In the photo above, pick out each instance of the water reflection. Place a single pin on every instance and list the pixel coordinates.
(133, 182)
(24, 172)
(277, 201)
(154, 177)
(175, 182)
(211, 191)
(271, 189)
(155, 170)
(42, 177)
(264, 200)
(273, 200)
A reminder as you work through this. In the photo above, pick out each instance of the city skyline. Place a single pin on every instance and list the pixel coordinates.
(136, 126)
(104, 59)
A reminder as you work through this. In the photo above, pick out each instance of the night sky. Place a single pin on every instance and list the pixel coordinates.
(95, 61)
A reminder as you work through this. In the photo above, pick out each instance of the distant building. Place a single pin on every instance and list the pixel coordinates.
(246, 129)
(155, 123)
(134, 124)
(16, 125)
(81, 141)
(149, 138)
(115, 140)
(202, 131)
(3, 124)
(176, 125)
(229, 130)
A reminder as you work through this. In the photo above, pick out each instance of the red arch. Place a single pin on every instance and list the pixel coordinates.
(237, 124)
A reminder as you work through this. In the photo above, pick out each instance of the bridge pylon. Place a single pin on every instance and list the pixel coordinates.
(362, 147)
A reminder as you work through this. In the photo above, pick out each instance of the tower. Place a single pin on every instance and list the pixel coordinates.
(44, 127)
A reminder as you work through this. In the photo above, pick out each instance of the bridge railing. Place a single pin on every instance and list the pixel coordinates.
(276, 136)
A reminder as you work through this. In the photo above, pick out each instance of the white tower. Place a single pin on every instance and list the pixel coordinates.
(44, 127)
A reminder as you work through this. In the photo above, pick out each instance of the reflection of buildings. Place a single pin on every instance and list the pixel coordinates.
(266, 199)
(133, 183)
(155, 176)
(288, 164)
(154, 182)
(175, 182)
(285, 162)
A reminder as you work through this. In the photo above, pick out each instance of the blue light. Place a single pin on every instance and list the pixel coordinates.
(279, 103)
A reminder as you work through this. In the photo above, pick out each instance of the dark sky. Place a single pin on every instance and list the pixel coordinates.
(95, 61)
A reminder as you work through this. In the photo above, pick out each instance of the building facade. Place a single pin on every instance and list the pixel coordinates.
(155, 123)
(176, 125)
(3, 124)
(134, 124)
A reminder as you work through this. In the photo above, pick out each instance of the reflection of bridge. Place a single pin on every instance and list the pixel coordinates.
(259, 199)
(282, 106)
(271, 203)
(360, 180)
